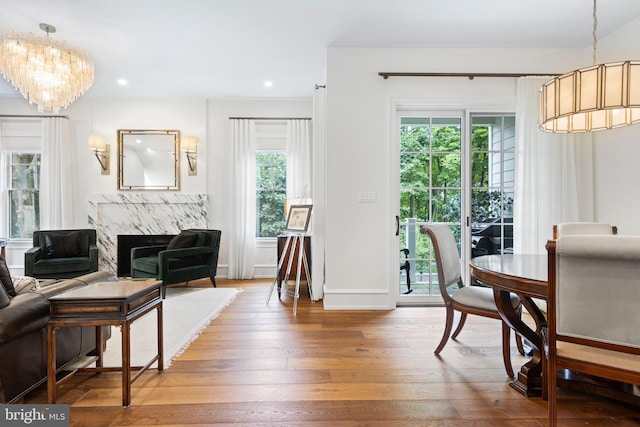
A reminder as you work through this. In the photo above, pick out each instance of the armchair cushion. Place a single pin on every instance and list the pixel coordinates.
(183, 240)
(62, 245)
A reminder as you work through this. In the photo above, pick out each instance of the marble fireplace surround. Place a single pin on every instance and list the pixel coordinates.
(142, 213)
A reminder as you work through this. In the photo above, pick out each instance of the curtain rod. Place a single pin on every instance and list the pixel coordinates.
(270, 118)
(27, 116)
(470, 76)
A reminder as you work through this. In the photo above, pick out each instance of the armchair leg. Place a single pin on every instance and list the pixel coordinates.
(213, 281)
(164, 290)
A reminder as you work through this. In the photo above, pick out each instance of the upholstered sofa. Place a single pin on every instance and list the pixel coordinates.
(23, 333)
(192, 254)
(61, 254)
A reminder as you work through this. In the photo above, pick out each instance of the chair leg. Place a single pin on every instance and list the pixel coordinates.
(552, 402)
(519, 338)
(463, 318)
(164, 290)
(213, 281)
(506, 348)
(447, 330)
(519, 344)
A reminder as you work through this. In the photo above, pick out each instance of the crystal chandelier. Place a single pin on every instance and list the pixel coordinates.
(47, 72)
(594, 98)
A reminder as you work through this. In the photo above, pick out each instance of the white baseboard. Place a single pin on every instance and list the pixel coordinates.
(356, 299)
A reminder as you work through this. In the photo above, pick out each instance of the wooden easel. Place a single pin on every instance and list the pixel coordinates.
(291, 241)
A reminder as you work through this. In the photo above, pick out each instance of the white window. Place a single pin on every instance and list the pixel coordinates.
(20, 142)
(23, 194)
(271, 178)
(271, 192)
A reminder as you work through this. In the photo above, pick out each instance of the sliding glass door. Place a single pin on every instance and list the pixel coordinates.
(453, 173)
(430, 178)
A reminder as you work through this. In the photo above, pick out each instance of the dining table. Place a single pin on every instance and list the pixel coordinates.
(526, 276)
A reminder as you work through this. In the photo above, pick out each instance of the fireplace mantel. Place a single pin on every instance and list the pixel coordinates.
(142, 213)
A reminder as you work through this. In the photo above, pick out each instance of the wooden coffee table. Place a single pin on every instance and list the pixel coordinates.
(101, 304)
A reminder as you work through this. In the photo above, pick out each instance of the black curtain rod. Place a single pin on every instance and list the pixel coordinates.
(470, 76)
(270, 118)
(26, 116)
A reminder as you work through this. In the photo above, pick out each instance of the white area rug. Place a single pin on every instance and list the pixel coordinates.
(186, 312)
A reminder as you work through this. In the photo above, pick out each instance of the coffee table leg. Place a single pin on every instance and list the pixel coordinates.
(99, 346)
(51, 363)
(160, 339)
(126, 364)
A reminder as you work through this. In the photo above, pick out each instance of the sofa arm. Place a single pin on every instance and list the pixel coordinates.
(145, 251)
(30, 258)
(185, 252)
(26, 313)
(97, 276)
(194, 251)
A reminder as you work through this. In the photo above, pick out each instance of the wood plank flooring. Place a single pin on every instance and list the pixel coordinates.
(258, 365)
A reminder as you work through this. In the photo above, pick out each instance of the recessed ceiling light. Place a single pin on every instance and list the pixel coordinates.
(268, 83)
(122, 82)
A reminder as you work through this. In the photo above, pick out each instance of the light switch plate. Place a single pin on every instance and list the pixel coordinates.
(367, 197)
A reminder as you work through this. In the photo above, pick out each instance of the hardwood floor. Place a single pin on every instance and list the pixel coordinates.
(258, 365)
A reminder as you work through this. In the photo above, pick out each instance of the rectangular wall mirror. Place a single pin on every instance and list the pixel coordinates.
(148, 159)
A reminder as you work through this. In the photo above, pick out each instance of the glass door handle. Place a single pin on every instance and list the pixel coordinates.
(397, 225)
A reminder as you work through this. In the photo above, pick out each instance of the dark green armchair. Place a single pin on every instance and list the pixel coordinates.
(193, 254)
(61, 254)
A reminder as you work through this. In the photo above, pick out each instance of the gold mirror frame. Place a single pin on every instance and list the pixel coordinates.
(148, 159)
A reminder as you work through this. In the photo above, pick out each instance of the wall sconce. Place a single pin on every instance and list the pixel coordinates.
(189, 144)
(102, 150)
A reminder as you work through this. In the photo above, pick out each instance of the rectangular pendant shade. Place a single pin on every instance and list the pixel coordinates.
(594, 98)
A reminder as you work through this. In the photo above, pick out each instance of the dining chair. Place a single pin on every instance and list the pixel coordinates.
(477, 300)
(576, 229)
(592, 322)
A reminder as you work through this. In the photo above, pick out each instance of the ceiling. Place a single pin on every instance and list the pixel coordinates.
(229, 48)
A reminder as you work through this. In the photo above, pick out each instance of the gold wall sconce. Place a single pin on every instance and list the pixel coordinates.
(189, 144)
(102, 151)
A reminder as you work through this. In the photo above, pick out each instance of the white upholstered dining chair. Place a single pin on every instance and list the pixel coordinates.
(592, 319)
(577, 229)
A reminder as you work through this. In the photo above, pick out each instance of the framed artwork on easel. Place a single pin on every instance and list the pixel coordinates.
(298, 218)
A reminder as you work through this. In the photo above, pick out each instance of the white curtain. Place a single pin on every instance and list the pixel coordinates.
(554, 174)
(299, 166)
(56, 175)
(242, 200)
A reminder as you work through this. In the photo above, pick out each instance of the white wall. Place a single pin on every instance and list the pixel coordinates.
(617, 178)
(360, 239)
(617, 151)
